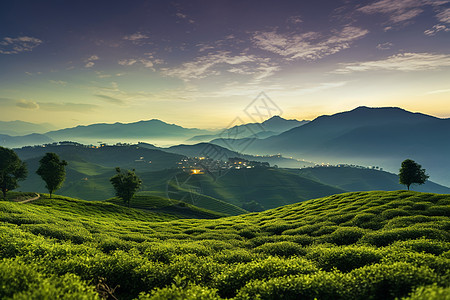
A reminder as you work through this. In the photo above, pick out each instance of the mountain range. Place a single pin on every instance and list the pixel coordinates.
(270, 127)
(367, 136)
(363, 136)
(18, 128)
(154, 131)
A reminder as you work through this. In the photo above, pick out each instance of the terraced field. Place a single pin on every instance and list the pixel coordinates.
(363, 245)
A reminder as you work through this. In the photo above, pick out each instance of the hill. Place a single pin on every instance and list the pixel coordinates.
(222, 153)
(25, 140)
(357, 179)
(170, 206)
(89, 169)
(273, 126)
(125, 132)
(18, 128)
(366, 245)
(267, 186)
(367, 136)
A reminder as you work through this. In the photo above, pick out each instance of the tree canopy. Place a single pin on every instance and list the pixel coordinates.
(126, 184)
(53, 171)
(12, 170)
(411, 172)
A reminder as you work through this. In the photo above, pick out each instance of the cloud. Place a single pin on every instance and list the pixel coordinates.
(27, 104)
(308, 46)
(399, 11)
(184, 17)
(135, 37)
(145, 62)
(127, 62)
(385, 46)
(138, 38)
(60, 82)
(17, 45)
(90, 61)
(111, 99)
(435, 29)
(444, 16)
(400, 62)
(222, 61)
(93, 57)
(70, 107)
(294, 20)
(438, 92)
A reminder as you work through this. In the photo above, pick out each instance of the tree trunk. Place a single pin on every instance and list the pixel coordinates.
(4, 193)
(408, 187)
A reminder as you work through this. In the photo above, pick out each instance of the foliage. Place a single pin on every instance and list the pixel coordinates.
(126, 184)
(12, 169)
(411, 172)
(52, 171)
(252, 206)
(347, 246)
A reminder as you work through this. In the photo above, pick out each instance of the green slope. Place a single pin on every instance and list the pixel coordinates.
(357, 179)
(268, 186)
(365, 245)
(173, 207)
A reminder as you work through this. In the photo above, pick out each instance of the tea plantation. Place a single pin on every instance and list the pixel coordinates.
(363, 245)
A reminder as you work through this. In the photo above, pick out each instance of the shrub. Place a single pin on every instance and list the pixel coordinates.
(386, 237)
(382, 281)
(321, 285)
(284, 248)
(235, 256)
(68, 286)
(343, 258)
(16, 276)
(191, 292)
(432, 292)
(345, 235)
(424, 245)
(236, 276)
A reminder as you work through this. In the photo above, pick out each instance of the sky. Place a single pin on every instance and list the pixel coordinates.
(203, 63)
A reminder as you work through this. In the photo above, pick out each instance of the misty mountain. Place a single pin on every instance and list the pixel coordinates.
(139, 130)
(18, 128)
(273, 126)
(368, 136)
(26, 140)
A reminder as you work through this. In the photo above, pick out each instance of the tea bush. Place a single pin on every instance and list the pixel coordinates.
(363, 245)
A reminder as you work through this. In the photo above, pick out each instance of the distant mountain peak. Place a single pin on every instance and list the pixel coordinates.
(379, 108)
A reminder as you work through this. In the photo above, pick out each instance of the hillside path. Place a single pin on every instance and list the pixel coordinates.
(31, 199)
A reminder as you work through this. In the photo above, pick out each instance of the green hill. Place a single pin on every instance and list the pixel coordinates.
(175, 207)
(364, 245)
(268, 186)
(358, 179)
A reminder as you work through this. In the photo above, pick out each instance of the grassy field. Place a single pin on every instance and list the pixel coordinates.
(146, 201)
(363, 245)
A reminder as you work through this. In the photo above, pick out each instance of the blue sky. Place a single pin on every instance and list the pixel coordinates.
(200, 63)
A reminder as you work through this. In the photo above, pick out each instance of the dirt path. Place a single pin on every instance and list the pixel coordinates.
(31, 199)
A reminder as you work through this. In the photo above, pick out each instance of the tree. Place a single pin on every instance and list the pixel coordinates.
(411, 172)
(12, 170)
(126, 184)
(53, 171)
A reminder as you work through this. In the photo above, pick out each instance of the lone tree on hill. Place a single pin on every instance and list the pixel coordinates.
(126, 184)
(411, 172)
(53, 171)
(12, 169)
